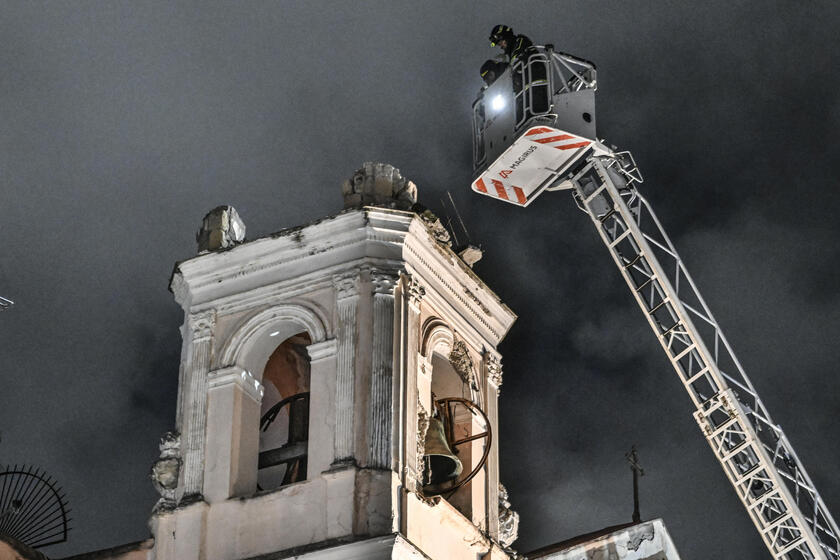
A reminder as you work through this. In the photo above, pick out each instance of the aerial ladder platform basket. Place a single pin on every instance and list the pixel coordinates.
(534, 131)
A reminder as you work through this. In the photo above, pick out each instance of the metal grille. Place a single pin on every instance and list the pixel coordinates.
(756, 455)
(33, 508)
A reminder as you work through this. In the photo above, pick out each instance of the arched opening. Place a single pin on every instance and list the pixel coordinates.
(458, 438)
(284, 414)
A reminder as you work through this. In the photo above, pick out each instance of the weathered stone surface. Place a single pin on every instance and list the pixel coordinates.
(379, 184)
(508, 520)
(166, 470)
(221, 228)
(470, 255)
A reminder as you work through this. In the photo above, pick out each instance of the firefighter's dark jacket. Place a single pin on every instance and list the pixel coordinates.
(516, 47)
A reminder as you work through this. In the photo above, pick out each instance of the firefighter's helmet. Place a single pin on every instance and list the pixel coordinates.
(499, 33)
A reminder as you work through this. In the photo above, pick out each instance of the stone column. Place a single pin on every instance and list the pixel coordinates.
(380, 404)
(233, 433)
(194, 402)
(493, 373)
(416, 416)
(347, 300)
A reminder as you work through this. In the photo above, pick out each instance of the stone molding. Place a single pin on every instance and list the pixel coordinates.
(214, 277)
(235, 375)
(322, 350)
(437, 336)
(262, 320)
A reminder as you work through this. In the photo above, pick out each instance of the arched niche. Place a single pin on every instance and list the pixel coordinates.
(233, 429)
(253, 342)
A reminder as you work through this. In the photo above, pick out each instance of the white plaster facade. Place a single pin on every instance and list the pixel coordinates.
(379, 298)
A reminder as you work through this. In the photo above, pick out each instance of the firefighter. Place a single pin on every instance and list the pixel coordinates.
(491, 70)
(513, 45)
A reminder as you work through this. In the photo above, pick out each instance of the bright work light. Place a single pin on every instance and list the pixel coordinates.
(498, 103)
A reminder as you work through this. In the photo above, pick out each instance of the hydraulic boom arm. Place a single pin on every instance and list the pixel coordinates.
(757, 457)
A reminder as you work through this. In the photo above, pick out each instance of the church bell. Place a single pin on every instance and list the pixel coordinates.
(441, 464)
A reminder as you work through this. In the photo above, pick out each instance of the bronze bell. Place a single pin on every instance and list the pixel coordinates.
(441, 464)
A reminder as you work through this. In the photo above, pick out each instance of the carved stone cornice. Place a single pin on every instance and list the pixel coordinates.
(346, 284)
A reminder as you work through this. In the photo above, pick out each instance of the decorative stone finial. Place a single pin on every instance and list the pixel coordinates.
(379, 184)
(221, 228)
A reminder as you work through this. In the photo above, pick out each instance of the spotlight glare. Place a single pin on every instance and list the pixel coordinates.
(498, 103)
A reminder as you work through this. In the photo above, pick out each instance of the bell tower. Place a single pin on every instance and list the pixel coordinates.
(338, 391)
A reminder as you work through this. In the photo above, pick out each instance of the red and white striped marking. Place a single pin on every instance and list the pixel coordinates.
(550, 137)
(511, 193)
(517, 175)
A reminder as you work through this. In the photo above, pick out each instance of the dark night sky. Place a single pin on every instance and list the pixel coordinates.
(123, 123)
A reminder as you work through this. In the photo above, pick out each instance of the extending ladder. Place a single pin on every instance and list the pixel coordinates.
(757, 457)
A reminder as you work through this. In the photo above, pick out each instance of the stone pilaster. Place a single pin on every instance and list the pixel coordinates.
(415, 415)
(493, 367)
(380, 409)
(194, 415)
(347, 301)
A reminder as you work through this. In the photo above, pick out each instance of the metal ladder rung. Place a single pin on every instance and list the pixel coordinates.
(685, 351)
(793, 544)
(620, 238)
(697, 376)
(669, 329)
(645, 283)
(634, 261)
(720, 429)
(595, 193)
(661, 303)
(782, 518)
(735, 450)
(606, 216)
(764, 497)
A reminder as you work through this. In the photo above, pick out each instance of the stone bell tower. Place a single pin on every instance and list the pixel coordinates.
(314, 361)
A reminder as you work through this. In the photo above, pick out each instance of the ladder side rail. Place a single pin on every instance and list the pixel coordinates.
(787, 531)
(788, 463)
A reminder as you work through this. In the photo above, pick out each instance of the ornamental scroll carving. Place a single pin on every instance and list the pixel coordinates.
(346, 285)
(416, 292)
(462, 363)
(202, 325)
(383, 281)
(508, 520)
(494, 370)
